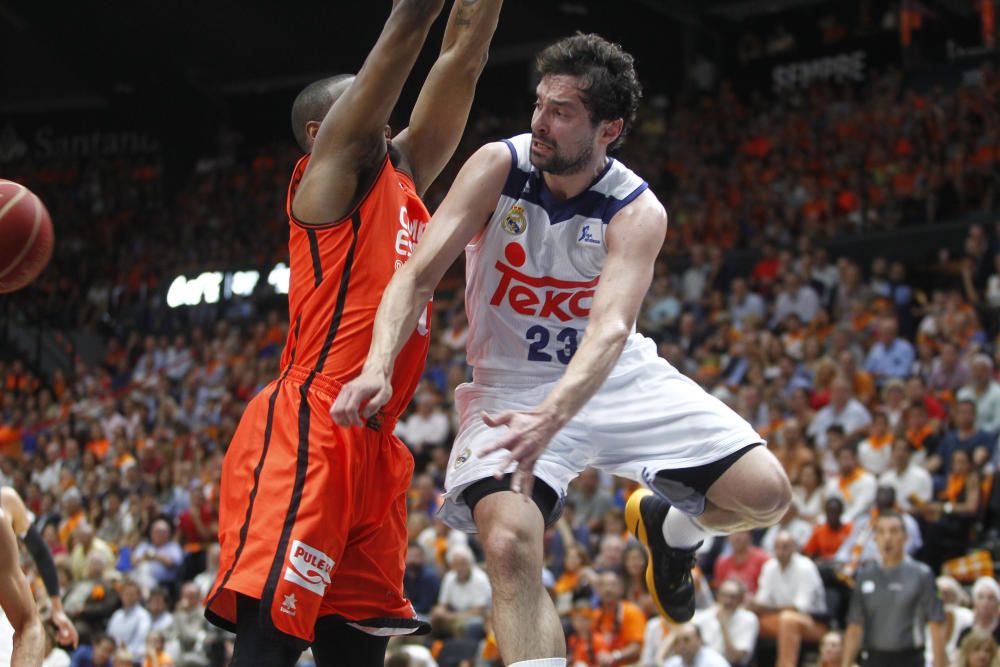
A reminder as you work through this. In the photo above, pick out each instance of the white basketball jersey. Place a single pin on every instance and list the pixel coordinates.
(531, 274)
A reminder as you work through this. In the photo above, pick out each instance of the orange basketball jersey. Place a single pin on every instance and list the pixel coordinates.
(338, 273)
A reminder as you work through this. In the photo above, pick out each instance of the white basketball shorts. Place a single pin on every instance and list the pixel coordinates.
(646, 417)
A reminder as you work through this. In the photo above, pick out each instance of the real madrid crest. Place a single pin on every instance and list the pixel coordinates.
(514, 222)
(462, 458)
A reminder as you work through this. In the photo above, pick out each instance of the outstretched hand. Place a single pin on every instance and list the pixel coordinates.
(361, 398)
(528, 436)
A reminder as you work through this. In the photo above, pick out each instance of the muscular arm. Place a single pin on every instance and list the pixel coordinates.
(443, 106)
(351, 138)
(460, 217)
(17, 602)
(634, 238)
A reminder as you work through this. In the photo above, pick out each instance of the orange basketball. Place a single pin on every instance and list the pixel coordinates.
(26, 236)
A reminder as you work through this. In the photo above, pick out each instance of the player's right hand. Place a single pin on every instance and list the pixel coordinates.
(361, 398)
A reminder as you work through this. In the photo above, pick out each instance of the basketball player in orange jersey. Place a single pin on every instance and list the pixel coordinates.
(312, 519)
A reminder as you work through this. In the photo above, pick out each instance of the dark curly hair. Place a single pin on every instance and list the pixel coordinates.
(610, 88)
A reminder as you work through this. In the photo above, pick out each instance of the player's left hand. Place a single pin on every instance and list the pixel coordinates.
(529, 434)
(66, 634)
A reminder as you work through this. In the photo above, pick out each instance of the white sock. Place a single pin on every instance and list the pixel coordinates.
(541, 662)
(682, 531)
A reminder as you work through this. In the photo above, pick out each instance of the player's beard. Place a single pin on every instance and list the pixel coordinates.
(559, 163)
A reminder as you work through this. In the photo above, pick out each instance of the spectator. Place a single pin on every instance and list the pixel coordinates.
(158, 561)
(91, 600)
(465, 593)
(831, 650)
(860, 547)
(892, 602)
(875, 452)
(129, 626)
(590, 500)
(621, 622)
(197, 527)
(744, 563)
(891, 356)
(689, 651)
(187, 636)
(949, 371)
(421, 582)
(843, 410)
(985, 391)
(97, 654)
(985, 609)
(728, 627)
(790, 601)
(854, 485)
(160, 617)
(743, 303)
(958, 617)
(584, 646)
(964, 436)
(796, 299)
(828, 536)
(86, 545)
(155, 654)
(427, 427)
(977, 650)
(911, 483)
(808, 492)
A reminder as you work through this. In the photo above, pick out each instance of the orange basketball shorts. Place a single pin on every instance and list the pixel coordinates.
(312, 516)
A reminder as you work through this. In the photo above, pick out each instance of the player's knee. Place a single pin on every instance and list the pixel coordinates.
(772, 495)
(510, 552)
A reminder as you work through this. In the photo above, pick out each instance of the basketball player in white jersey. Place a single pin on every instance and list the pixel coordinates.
(560, 244)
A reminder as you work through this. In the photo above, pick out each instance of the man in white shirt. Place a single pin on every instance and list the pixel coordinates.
(427, 427)
(985, 391)
(910, 481)
(790, 600)
(129, 626)
(743, 302)
(690, 651)
(727, 626)
(855, 485)
(465, 592)
(795, 299)
(843, 410)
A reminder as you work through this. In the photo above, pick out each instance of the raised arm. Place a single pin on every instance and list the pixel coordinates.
(634, 238)
(461, 216)
(443, 106)
(350, 140)
(18, 603)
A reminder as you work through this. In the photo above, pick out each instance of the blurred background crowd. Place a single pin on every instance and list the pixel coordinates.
(832, 272)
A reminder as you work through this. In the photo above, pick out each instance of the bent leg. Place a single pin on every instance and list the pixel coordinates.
(753, 493)
(527, 626)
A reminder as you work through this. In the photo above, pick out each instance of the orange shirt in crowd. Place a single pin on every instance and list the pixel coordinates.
(825, 541)
(626, 625)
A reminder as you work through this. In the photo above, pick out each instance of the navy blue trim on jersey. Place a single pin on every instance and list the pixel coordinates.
(516, 177)
(619, 204)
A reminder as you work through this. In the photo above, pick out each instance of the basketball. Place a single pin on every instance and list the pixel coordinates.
(26, 236)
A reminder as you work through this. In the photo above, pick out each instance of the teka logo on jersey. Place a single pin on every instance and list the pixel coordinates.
(540, 297)
(309, 568)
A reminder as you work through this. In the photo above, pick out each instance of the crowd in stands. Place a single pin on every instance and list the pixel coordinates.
(873, 391)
